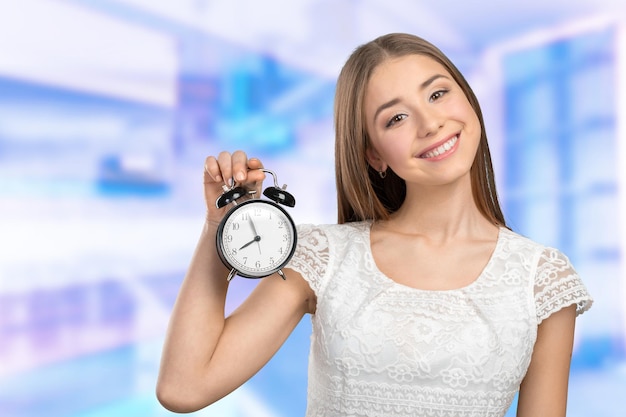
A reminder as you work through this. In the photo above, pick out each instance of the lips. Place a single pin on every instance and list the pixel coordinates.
(441, 149)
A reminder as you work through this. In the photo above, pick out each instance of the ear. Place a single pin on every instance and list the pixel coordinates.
(374, 159)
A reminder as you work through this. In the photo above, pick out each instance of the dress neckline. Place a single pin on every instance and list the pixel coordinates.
(380, 275)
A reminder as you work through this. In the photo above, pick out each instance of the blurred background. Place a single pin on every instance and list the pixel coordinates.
(109, 107)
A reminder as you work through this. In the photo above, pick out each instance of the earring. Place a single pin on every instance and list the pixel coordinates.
(382, 174)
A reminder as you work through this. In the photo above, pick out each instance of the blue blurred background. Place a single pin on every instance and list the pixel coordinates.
(109, 107)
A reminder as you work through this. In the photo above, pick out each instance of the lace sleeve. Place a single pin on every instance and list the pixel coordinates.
(311, 256)
(557, 285)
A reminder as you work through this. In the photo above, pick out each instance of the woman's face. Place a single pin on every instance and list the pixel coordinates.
(420, 122)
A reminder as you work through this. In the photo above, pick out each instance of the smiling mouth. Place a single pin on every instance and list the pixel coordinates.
(441, 149)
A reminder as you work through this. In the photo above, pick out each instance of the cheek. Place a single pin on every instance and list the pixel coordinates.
(465, 110)
(384, 146)
(476, 129)
(392, 148)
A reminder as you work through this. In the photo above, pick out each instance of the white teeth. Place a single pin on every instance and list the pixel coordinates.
(441, 149)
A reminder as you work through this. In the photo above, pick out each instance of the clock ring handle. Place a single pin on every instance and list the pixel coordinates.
(278, 194)
(233, 193)
(230, 195)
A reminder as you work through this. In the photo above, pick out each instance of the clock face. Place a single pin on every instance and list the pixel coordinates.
(256, 238)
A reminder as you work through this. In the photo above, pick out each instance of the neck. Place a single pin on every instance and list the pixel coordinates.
(442, 212)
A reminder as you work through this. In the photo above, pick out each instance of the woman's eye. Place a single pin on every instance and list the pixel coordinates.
(395, 119)
(437, 95)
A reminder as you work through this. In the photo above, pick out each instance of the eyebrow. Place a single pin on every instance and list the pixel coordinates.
(395, 101)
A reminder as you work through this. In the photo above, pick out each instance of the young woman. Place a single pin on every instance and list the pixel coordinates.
(423, 302)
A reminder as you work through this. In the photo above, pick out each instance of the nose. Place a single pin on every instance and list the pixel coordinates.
(429, 121)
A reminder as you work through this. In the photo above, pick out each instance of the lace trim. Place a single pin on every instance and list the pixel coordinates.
(312, 256)
(557, 285)
(348, 397)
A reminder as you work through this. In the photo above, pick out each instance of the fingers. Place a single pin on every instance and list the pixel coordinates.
(239, 162)
(212, 173)
(229, 169)
(254, 177)
(232, 168)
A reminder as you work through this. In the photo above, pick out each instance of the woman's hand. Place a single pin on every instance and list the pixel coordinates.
(227, 170)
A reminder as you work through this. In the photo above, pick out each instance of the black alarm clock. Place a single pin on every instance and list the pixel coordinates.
(256, 238)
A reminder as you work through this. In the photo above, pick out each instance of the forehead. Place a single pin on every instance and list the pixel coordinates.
(405, 71)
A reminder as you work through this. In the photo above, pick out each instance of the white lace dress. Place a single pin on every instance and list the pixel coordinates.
(380, 348)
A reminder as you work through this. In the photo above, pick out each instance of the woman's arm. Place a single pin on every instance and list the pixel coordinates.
(544, 389)
(206, 356)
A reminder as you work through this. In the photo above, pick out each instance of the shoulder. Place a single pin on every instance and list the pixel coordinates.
(555, 282)
(330, 240)
(321, 248)
(515, 241)
(537, 257)
(542, 255)
(335, 228)
(311, 234)
(515, 251)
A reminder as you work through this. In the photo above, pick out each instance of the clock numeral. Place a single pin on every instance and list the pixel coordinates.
(257, 264)
(285, 238)
(257, 212)
(234, 251)
(245, 216)
(229, 238)
(235, 225)
(281, 224)
(272, 261)
(245, 260)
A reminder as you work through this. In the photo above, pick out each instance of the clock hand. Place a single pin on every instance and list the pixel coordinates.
(256, 239)
(255, 233)
(252, 225)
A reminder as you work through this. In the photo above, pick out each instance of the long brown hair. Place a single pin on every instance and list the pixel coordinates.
(361, 193)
